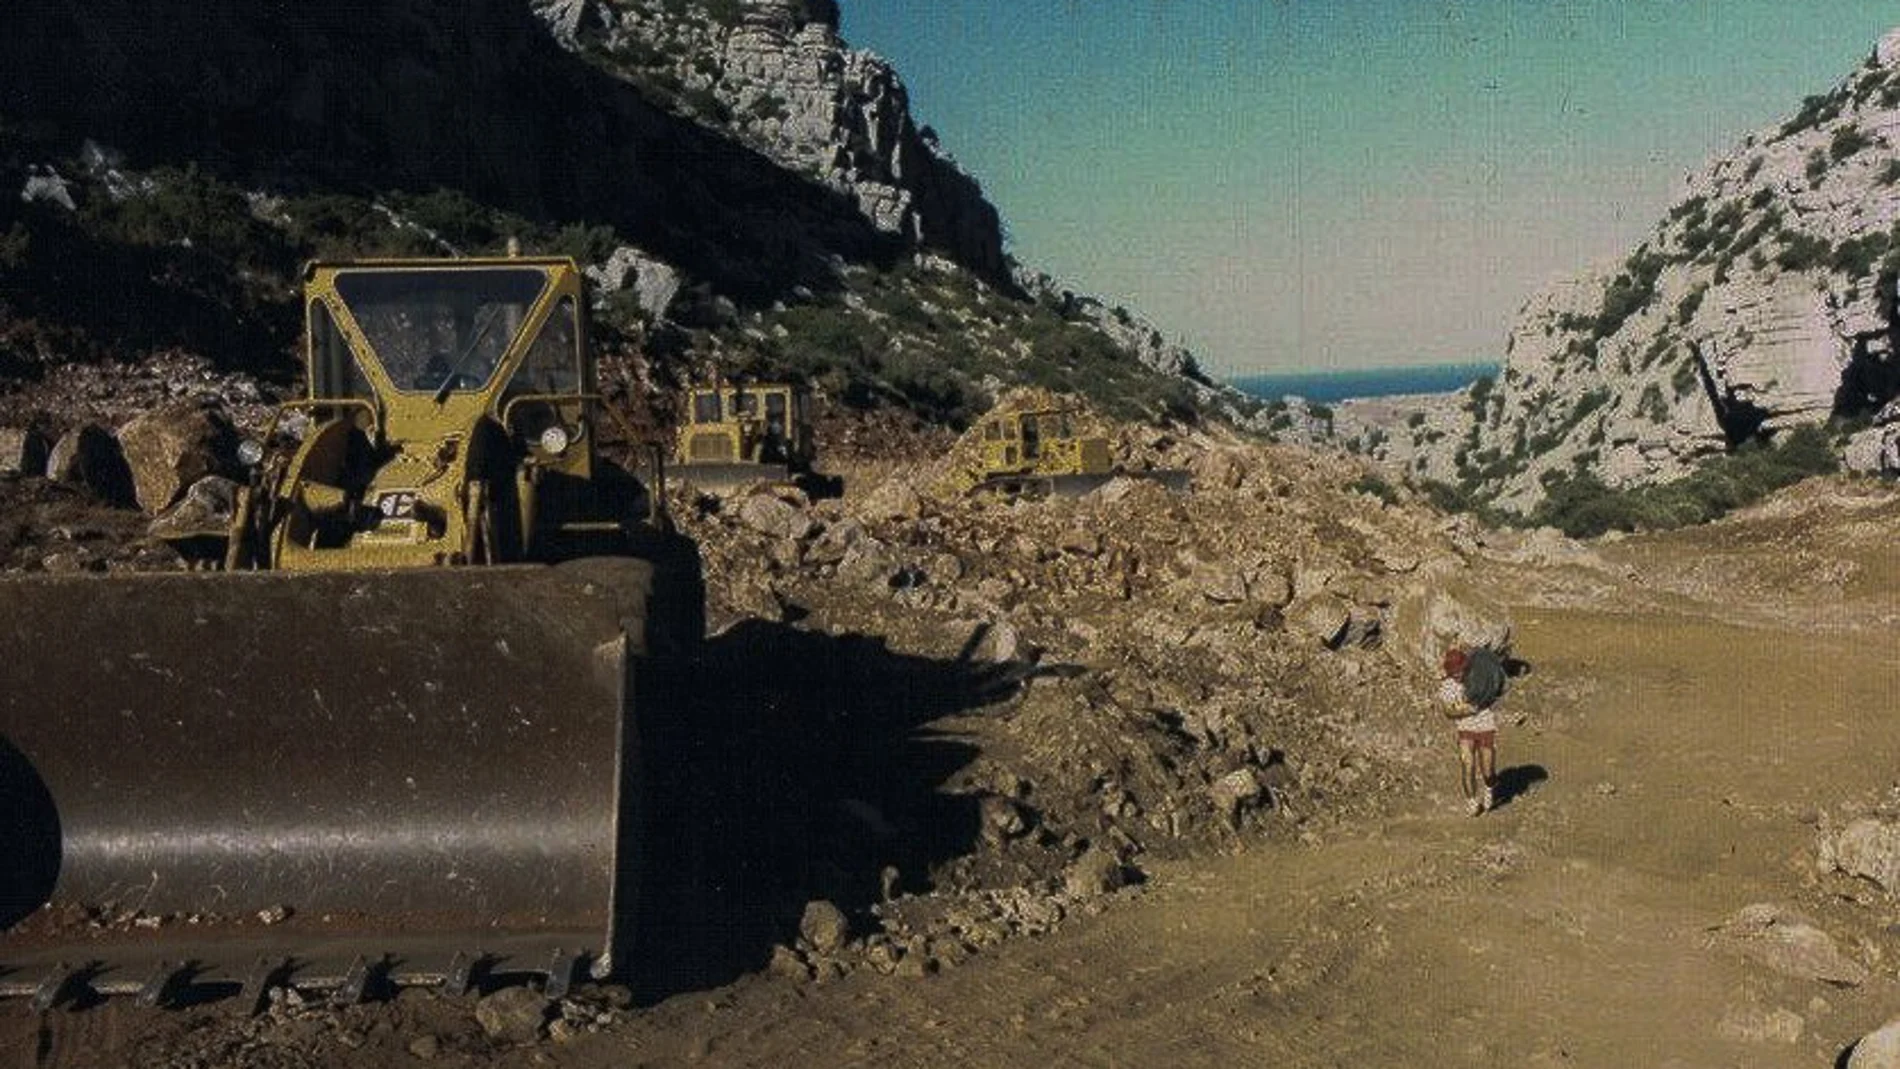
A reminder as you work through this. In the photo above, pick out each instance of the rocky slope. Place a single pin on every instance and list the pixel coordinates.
(749, 193)
(1764, 300)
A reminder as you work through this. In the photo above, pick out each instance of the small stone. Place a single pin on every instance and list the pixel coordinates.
(786, 964)
(513, 1015)
(425, 1048)
(1002, 819)
(916, 966)
(273, 915)
(824, 927)
(1097, 872)
(1752, 1024)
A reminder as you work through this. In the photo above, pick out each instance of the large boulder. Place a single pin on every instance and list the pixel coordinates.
(893, 499)
(1431, 614)
(1326, 617)
(774, 516)
(205, 511)
(654, 283)
(1878, 1049)
(1790, 945)
(89, 456)
(169, 449)
(22, 452)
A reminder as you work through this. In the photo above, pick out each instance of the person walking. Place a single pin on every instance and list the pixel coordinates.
(1470, 688)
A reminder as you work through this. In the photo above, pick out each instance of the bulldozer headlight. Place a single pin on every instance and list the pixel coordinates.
(250, 452)
(554, 440)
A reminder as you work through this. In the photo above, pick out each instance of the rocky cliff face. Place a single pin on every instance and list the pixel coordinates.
(1763, 301)
(744, 151)
(775, 75)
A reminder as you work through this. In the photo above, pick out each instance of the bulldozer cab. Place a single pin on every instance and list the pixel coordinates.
(768, 424)
(451, 418)
(738, 435)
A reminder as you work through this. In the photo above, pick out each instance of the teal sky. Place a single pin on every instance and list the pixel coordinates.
(1316, 184)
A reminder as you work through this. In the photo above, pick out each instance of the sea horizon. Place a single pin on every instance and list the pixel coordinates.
(1329, 387)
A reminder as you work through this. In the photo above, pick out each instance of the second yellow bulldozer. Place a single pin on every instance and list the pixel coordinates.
(735, 434)
(394, 742)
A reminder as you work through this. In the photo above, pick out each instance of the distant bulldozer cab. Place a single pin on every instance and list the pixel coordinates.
(734, 434)
(1044, 451)
(452, 418)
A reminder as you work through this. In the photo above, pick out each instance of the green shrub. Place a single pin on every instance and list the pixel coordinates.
(1686, 308)
(1846, 141)
(1799, 251)
(185, 207)
(1651, 405)
(1815, 110)
(1857, 257)
(1627, 294)
(1686, 378)
(1374, 486)
(1583, 507)
(1817, 167)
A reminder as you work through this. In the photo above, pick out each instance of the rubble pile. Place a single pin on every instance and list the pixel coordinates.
(1248, 659)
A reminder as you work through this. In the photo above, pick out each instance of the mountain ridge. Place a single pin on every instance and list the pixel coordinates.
(1762, 302)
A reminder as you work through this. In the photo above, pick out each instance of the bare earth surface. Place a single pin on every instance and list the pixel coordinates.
(1701, 709)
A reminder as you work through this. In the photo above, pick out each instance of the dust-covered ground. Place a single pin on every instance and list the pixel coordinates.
(1144, 780)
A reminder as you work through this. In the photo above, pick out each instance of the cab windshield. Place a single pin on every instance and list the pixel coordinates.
(440, 331)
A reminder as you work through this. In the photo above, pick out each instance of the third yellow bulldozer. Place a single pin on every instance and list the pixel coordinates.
(1040, 451)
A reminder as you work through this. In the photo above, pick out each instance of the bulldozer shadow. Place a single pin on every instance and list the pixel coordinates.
(785, 767)
(29, 838)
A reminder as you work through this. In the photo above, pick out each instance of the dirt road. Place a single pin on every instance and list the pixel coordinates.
(1671, 771)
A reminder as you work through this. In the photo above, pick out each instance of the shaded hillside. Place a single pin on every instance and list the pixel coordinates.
(749, 191)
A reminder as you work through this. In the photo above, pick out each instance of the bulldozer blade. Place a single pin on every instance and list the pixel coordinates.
(1078, 485)
(718, 477)
(414, 769)
(1034, 486)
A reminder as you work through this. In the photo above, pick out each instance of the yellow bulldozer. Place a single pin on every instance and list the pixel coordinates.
(734, 434)
(1037, 452)
(393, 741)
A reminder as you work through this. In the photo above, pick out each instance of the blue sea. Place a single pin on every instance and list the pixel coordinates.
(1327, 387)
